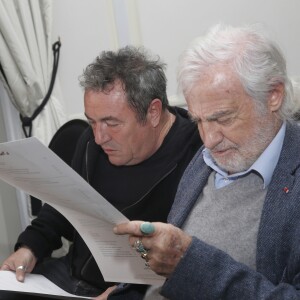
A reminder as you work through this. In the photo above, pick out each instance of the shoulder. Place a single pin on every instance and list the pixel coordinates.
(183, 127)
(180, 113)
(85, 138)
(292, 132)
(291, 145)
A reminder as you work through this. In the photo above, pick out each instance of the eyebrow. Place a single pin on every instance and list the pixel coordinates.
(215, 116)
(108, 118)
(219, 114)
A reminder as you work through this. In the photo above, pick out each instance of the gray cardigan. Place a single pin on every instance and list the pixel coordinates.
(208, 273)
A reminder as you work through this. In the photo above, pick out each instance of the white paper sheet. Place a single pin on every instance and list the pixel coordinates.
(33, 283)
(28, 165)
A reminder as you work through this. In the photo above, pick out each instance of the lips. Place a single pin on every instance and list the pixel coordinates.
(108, 150)
(223, 152)
(219, 151)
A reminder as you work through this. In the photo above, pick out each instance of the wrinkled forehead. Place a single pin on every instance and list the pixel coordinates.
(217, 79)
(217, 89)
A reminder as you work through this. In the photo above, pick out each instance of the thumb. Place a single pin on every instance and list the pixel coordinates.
(20, 273)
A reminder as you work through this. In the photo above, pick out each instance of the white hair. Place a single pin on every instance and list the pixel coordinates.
(256, 59)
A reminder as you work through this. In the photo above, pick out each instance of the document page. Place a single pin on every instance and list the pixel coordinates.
(33, 284)
(32, 167)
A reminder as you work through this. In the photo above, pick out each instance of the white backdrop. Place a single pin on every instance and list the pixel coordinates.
(166, 27)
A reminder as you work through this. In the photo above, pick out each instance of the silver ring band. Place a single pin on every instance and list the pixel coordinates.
(23, 268)
(139, 247)
(145, 256)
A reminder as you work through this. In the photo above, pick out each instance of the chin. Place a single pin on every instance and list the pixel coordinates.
(234, 164)
(116, 162)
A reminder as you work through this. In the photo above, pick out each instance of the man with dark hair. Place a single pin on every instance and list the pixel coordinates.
(133, 154)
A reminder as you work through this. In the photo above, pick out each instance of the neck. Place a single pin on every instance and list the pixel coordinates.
(167, 122)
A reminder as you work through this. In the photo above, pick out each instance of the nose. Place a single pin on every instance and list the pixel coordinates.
(211, 134)
(101, 134)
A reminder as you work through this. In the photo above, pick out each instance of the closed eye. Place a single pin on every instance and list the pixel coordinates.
(110, 123)
(225, 121)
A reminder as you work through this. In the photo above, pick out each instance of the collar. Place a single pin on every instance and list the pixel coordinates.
(264, 165)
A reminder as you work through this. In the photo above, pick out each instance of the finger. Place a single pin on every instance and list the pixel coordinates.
(132, 228)
(136, 228)
(20, 273)
(5, 267)
(138, 244)
(147, 228)
(105, 294)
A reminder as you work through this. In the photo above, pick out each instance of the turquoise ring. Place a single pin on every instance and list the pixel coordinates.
(147, 228)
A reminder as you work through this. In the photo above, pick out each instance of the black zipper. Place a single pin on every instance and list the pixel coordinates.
(149, 191)
(86, 163)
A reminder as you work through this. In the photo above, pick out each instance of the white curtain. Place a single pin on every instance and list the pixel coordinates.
(26, 59)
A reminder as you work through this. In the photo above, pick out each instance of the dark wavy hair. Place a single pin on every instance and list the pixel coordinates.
(142, 77)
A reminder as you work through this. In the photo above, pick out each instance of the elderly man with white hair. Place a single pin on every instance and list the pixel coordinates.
(234, 228)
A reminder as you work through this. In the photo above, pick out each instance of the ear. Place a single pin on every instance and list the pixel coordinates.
(154, 112)
(276, 98)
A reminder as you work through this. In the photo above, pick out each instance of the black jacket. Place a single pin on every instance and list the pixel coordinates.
(145, 191)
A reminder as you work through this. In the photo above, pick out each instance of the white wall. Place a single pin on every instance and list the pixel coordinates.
(166, 27)
(84, 31)
(10, 225)
(169, 26)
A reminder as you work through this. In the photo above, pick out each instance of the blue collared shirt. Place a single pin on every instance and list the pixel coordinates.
(264, 165)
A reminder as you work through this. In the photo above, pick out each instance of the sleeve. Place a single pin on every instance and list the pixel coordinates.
(45, 232)
(210, 273)
(125, 291)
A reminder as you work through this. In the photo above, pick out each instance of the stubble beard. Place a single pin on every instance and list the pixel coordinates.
(242, 157)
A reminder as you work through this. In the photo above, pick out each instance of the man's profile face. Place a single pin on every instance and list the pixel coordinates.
(229, 124)
(115, 127)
